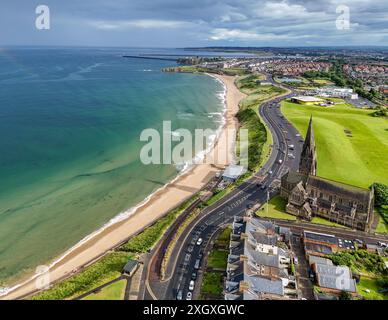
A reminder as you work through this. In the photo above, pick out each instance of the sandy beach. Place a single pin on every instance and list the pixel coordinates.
(159, 204)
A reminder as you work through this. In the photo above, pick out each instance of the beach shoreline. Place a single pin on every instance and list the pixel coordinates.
(155, 206)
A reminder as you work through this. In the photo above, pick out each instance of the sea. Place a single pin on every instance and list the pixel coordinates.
(70, 125)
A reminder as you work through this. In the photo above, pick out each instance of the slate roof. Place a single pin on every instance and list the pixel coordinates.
(340, 189)
(335, 277)
(294, 177)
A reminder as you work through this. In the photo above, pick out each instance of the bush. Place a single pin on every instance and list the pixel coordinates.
(381, 194)
(102, 271)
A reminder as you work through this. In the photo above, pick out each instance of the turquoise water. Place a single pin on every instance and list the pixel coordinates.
(70, 121)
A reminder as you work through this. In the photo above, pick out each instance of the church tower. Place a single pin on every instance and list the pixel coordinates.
(308, 157)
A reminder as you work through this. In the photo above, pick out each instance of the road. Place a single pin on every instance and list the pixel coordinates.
(285, 152)
(186, 252)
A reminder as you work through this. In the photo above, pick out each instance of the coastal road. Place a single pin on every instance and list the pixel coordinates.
(286, 148)
(285, 153)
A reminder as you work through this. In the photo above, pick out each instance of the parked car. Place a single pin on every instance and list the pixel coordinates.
(199, 241)
(194, 276)
(296, 261)
(189, 296)
(197, 264)
(191, 285)
(179, 295)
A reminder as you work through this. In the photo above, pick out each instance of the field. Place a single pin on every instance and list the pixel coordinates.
(325, 222)
(114, 291)
(370, 284)
(351, 145)
(248, 116)
(218, 259)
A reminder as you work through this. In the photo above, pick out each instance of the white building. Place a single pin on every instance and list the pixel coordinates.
(336, 92)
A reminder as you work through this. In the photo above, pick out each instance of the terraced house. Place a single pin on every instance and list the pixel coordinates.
(309, 195)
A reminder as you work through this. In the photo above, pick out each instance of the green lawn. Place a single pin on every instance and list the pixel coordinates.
(382, 227)
(212, 284)
(224, 238)
(372, 285)
(352, 146)
(114, 291)
(276, 210)
(325, 222)
(218, 259)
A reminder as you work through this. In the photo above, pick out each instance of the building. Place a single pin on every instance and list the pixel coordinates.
(333, 280)
(319, 244)
(308, 195)
(336, 92)
(306, 100)
(130, 267)
(257, 267)
(233, 172)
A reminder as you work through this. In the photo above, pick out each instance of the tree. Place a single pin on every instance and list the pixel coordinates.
(381, 194)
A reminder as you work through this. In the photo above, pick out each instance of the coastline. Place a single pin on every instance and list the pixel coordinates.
(131, 222)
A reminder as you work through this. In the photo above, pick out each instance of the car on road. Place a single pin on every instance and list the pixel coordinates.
(296, 261)
(194, 276)
(280, 161)
(382, 244)
(179, 295)
(359, 241)
(197, 264)
(199, 241)
(189, 296)
(263, 187)
(190, 248)
(191, 285)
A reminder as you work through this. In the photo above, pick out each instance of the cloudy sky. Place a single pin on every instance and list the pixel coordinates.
(182, 23)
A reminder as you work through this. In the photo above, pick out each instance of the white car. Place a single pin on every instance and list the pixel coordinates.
(191, 285)
(199, 242)
(189, 296)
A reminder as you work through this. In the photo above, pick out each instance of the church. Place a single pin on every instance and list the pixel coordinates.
(311, 196)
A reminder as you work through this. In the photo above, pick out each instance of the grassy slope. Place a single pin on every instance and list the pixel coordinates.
(358, 160)
(115, 291)
(371, 285)
(258, 132)
(218, 259)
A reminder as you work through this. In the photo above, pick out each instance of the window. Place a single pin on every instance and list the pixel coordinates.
(331, 198)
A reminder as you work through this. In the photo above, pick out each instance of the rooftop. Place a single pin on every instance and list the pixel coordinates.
(321, 237)
(307, 99)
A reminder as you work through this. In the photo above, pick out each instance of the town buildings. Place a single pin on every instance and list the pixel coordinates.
(259, 262)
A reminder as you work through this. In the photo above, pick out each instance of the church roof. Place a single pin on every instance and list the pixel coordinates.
(339, 188)
(294, 177)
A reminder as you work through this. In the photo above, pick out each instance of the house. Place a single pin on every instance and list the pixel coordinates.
(257, 268)
(333, 279)
(319, 244)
